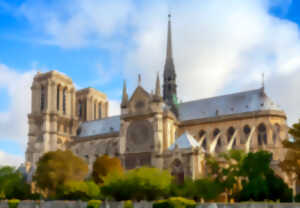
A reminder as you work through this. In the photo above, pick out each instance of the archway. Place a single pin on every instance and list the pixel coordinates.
(177, 171)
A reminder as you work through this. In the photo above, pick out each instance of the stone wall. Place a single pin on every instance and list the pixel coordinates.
(144, 204)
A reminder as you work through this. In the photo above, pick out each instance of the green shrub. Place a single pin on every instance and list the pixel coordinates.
(94, 204)
(175, 202)
(74, 190)
(137, 184)
(297, 198)
(13, 203)
(128, 204)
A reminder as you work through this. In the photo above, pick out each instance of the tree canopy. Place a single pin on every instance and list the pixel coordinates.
(13, 184)
(105, 165)
(56, 168)
(291, 162)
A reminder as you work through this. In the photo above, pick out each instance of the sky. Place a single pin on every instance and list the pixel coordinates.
(219, 47)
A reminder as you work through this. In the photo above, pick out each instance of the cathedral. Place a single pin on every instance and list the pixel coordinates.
(153, 129)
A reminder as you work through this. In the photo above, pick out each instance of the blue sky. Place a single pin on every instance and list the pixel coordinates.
(101, 43)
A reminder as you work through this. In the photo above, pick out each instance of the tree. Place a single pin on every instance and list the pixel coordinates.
(208, 189)
(13, 184)
(291, 162)
(58, 167)
(137, 184)
(105, 165)
(260, 182)
(224, 170)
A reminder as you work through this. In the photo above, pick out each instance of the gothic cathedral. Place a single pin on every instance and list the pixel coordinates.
(153, 129)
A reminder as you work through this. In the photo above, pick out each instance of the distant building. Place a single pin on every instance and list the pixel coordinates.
(153, 129)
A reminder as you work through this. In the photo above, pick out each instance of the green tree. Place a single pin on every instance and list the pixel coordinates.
(225, 171)
(291, 162)
(56, 168)
(137, 184)
(105, 165)
(260, 182)
(13, 184)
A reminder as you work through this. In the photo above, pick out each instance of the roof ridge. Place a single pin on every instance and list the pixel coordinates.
(224, 95)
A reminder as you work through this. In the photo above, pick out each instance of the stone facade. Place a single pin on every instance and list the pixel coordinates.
(153, 129)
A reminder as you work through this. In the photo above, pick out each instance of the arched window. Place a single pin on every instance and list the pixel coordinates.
(43, 92)
(247, 131)
(100, 110)
(177, 171)
(215, 133)
(201, 134)
(230, 133)
(262, 134)
(276, 133)
(64, 99)
(79, 109)
(57, 97)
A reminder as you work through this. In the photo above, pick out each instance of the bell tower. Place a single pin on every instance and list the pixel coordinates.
(52, 120)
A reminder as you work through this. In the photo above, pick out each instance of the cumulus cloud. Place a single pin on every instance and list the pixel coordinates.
(114, 107)
(13, 122)
(77, 23)
(10, 159)
(219, 46)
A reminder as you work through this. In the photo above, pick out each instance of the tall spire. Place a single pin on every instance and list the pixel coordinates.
(157, 96)
(157, 86)
(169, 42)
(124, 96)
(169, 86)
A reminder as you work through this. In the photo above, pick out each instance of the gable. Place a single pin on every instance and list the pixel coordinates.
(140, 100)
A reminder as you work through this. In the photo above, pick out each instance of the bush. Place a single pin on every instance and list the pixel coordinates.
(175, 202)
(138, 184)
(297, 198)
(13, 184)
(83, 190)
(13, 203)
(94, 204)
(128, 204)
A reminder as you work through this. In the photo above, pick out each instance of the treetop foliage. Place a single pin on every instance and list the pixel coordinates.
(104, 166)
(58, 167)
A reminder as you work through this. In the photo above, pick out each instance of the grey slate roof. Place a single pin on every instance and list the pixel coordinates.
(185, 141)
(102, 126)
(248, 101)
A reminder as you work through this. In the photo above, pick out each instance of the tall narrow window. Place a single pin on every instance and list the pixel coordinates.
(42, 98)
(262, 134)
(79, 111)
(247, 131)
(57, 98)
(100, 110)
(64, 100)
(215, 133)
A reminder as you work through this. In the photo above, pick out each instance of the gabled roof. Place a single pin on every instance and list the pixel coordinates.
(98, 127)
(243, 102)
(185, 141)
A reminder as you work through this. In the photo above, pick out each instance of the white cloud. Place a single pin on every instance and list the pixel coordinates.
(10, 159)
(219, 46)
(114, 107)
(77, 23)
(13, 123)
